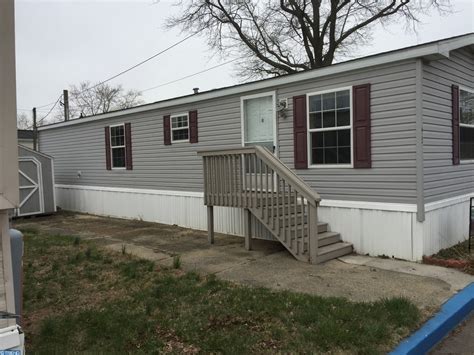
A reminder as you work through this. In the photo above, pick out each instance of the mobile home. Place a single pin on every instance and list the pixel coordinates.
(374, 154)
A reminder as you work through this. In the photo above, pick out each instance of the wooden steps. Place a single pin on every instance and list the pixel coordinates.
(330, 244)
(254, 179)
(333, 251)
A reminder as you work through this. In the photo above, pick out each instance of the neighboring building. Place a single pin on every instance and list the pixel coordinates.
(25, 138)
(387, 141)
(8, 157)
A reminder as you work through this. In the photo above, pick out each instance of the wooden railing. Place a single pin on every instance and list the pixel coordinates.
(254, 179)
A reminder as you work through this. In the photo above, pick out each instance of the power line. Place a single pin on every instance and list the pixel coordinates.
(29, 110)
(142, 62)
(130, 68)
(191, 75)
(49, 112)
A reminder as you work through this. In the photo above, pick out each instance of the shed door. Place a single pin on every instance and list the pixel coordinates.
(31, 187)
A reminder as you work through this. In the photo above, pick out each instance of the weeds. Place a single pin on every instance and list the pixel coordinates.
(176, 262)
(98, 300)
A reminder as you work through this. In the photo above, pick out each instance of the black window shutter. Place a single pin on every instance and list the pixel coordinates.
(128, 147)
(299, 132)
(108, 163)
(455, 116)
(193, 126)
(167, 130)
(362, 126)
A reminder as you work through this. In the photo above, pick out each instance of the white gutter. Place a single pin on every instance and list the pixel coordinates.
(430, 50)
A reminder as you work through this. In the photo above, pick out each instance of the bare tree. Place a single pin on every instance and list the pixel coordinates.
(88, 99)
(23, 121)
(275, 37)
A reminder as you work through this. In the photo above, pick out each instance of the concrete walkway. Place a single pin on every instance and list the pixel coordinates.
(357, 278)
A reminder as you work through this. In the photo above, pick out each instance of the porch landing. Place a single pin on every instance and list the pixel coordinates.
(267, 265)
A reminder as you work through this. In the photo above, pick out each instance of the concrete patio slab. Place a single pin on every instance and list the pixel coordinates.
(456, 279)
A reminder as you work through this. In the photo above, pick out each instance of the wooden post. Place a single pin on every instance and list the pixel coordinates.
(210, 224)
(313, 233)
(248, 229)
(66, 105)
(35, 131)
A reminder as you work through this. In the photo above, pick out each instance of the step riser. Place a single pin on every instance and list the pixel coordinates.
(322, 227)
(335, 254)
(329, 240)
(329, 243)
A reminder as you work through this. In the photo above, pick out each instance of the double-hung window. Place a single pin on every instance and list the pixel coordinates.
(180, 128)
(466, 124)
(330, 126)
(117, 146)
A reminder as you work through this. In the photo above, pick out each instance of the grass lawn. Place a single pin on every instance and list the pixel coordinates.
(80, 298)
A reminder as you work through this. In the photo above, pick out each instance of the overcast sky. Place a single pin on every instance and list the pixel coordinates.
(64, 42)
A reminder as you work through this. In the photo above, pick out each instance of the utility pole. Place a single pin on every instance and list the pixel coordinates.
(66, 105)
(35, 131)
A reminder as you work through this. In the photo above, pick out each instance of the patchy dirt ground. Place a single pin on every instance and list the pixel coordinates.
(458, 256)
(267, 265)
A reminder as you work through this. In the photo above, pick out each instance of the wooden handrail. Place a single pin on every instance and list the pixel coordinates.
(276, 164)
(254, 179)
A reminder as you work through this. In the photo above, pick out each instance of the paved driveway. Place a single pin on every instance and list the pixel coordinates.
(460, 341)
(268, 264)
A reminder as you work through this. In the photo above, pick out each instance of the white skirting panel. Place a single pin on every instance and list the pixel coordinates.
(373, 232)
(185, 209)
(446, 224)
(376, 229)
(382, 230)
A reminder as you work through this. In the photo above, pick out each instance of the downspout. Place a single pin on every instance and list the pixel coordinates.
(420, 193)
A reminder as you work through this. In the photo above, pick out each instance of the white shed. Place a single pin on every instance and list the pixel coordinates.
(36, 179)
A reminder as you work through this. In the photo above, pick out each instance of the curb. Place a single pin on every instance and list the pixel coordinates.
(451, 314)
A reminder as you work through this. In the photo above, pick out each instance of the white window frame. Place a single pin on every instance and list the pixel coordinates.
(179, 128)
(118, 146)
(311, 130)
(463, 88)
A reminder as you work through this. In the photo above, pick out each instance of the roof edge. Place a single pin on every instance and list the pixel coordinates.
(432, 50)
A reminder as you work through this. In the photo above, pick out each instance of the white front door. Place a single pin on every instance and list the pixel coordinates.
(259, 121)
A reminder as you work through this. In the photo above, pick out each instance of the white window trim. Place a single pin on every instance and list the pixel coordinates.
(275, 121)
(179, 128)
(118, 146)
(309, 131)
(463, 88)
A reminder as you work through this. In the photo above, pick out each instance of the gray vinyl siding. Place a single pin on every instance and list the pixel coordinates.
(442, 178)
(392, 177)
(81, 148)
